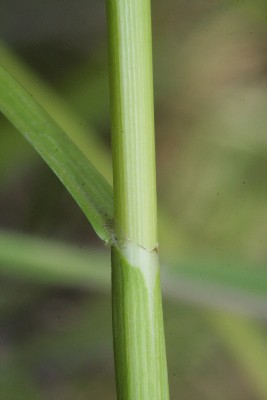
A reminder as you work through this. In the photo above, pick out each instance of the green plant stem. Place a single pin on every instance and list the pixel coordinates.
(139, 346)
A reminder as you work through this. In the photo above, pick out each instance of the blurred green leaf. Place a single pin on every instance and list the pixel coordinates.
(51, 262)
(234, 289)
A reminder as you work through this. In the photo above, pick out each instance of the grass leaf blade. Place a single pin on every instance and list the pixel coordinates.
(85, 183)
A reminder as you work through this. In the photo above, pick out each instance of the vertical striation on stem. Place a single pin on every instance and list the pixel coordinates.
(139, 345)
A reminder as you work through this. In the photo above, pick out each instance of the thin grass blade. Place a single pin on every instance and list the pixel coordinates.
(74, 125)
(85, 183)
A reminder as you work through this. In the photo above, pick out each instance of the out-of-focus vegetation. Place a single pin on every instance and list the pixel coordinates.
(210, 100)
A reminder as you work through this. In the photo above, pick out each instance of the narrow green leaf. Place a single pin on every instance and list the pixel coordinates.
(76, 172)
(75, 126)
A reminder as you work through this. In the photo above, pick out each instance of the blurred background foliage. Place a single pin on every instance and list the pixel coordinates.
(210, 74)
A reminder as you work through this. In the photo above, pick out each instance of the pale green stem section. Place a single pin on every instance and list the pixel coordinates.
(139, 346)
(132, 120)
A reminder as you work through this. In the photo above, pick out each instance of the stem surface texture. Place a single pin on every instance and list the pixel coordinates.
(139, 345)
